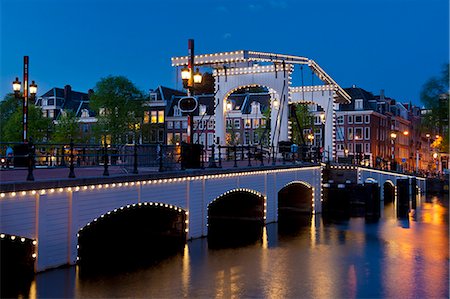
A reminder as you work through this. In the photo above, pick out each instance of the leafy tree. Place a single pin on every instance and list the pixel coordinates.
(8, 107)
(264, 132)
(38, 125)
(66, 128)
(301, 120)
(434, 96)
(118, 104)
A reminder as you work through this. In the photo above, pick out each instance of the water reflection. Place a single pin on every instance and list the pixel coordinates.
(318, 259)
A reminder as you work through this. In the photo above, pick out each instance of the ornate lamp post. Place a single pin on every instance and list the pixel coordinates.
(29, 93)
(189, 80)
(311, 139)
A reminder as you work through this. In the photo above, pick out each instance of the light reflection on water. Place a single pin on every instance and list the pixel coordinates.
(348, 259)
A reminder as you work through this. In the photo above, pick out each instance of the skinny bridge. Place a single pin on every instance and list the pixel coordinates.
(55, 217)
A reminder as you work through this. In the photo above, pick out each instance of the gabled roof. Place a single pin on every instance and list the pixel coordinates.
(76, 101)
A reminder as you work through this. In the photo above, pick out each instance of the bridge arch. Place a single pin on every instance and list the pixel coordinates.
(388, 191)
(236, 216)
(295, 198)
(131, 235)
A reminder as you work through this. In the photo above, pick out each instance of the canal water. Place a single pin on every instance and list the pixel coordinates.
(350, 258)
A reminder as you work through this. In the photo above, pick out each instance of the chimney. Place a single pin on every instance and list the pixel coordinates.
(90, 93)
(67, 92)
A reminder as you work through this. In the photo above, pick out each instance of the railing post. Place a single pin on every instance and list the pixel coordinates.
(160, 155)
(105, 160)
(135, 159)
(249, 155)
(235, 156)
(63, 161)
(220, 156)
(262, 155)
(71, 166)
(212, 160)
(30, 176)
(202, 156)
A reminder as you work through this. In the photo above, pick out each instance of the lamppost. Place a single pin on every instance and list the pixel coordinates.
(29, 92)
(311, 139)
(407, 163)
(393, 137)
(189, 80)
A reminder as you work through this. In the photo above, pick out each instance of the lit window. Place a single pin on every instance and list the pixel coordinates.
(255, 123)
(146, 117)
(350, 133)
(202, 109)
(154, 115)
(161, 116)
(247, 123)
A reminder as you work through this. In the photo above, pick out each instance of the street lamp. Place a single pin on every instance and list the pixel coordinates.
(310, 138)
(29, 92)
(393, 137)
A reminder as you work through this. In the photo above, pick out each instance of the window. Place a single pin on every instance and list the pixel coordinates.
(263, 122)
(146, 117)
(367, 119)
(170, 125)
(359, 133)
(154, 115)
(317, 120)
(255, 123)
(358, 147)
(210, 138)
(340, 120)
(51, 113)
(367, 148)
(198, 124)
(340, 147)
(350, 119)
(358, 119)
(247, 137)
(255, 108)
(177, 124)
(153, 96)
(237, 123)
(161, 116)
(211, 124)
(340, 134)
(229, 123)
(51, 102)
(84, 113)
(359, 104)
(170, 139)
(176, 111)
(247, 123)
(85, 128)
(350, 133)
(160, 135)
(184, 124)
(255, 138)
(367, 133)
(202, 109)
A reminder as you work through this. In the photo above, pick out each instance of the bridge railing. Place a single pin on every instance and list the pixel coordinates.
(79, 158)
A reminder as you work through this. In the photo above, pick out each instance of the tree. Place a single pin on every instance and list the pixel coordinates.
(118, 104)
(8, 107)
(434, 96)
(38, 125)
(301, 120)
(66, 128)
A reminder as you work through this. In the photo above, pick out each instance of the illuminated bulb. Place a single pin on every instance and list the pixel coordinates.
(85, 187)
(34, 242)
(34, 255)
(77, 188)
(13, 237)
(2, 195)
(24, 192)
(33, 192)
(60, 189)
(2, 236)
(92, 187)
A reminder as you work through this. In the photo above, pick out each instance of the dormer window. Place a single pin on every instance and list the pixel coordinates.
(84, 113)
(359, 104)
(202, 109)
(153, 96)
(256, 108)
(176, 111)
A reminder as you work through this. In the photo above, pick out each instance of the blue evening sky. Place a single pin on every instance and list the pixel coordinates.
(394, 45)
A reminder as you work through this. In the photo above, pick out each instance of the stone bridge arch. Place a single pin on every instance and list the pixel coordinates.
(132, 234)
(236, 216)
(294, 198)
